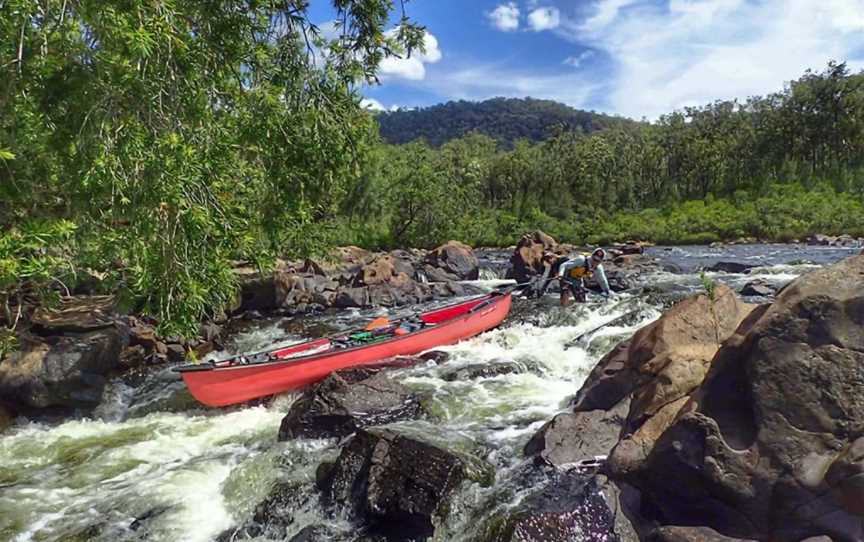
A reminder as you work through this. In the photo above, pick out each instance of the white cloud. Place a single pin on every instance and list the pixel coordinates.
(577, 60)
(691, 52)
(412, 67)
(480, 82)
(544, 19)
(505, 17)
(604, 13)
(372, 104)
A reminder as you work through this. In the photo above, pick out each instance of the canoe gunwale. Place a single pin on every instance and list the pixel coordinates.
(492, 299)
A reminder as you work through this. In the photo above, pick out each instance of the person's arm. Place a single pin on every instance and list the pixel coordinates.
(567, 266)
(601, 279)
(544, 280)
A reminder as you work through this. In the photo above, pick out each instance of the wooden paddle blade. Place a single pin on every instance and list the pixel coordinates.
(381, 321)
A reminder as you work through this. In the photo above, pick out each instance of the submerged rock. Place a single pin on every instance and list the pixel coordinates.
(395, 484)
(346, 401)
(314, 533)
(730, 267)
(161, 391)
(758, 288)
(273, 517)
(690, 534)
(484, 370)
(771, 446)
(565, 506)
(436, 356)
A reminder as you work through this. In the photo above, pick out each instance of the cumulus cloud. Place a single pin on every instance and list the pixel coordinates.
(505, 17)
(372, 104)
(577, 60)
(483, 81)
(412, 67)
(691, 52)
(605, 11)
(544, 19)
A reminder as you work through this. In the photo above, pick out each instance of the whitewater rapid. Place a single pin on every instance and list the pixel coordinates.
(144, 473)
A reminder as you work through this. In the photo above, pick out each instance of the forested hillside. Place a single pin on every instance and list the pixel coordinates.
(505, 120)
(775, 167)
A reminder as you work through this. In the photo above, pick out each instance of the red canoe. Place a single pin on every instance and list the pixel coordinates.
(244, 378)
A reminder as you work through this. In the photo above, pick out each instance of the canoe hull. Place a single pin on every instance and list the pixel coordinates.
(223, 386)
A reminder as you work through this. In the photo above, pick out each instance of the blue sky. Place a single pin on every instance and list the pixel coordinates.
(637, 58)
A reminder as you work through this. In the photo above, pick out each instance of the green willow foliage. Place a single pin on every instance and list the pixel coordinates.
(777, 167)
(175, 136)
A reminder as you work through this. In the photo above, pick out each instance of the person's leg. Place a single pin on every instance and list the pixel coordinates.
(565, 294)
(580, 293)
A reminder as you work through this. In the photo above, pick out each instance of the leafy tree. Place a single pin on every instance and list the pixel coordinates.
(177, 136)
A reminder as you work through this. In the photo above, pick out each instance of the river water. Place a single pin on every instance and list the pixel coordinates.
(153, 466)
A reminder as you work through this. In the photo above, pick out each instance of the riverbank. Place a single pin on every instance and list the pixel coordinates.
(781, 213)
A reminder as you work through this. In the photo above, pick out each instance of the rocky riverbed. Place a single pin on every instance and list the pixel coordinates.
(722, 415)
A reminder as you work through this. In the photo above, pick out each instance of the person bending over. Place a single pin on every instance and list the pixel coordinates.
(572, 272)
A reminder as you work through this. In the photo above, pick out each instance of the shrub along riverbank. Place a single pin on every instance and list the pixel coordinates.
(784, 213)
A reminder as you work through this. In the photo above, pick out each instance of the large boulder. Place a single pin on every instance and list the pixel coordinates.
(285, 288)
(406, 261)
(295, 290)
(394, 483)
(573, 436)
(771, 446)
(379, 271)
(688, 333)
(527, 258)
(346, 401)
(456, 260)
(660, 366)
(66, 371)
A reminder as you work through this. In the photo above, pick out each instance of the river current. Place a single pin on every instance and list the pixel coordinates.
(151, 465)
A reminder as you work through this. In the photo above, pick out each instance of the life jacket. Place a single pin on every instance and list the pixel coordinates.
(582, 271)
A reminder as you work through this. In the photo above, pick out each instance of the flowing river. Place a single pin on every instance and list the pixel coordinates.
(151, 465)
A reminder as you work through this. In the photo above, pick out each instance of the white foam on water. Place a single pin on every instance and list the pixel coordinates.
(507, 406)
(172, 460)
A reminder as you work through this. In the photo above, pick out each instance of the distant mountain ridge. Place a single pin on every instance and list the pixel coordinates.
(503, 119)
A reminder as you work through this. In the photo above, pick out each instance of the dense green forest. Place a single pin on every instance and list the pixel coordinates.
(777, 167)
(152, 145)
(506, 120)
